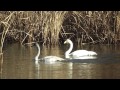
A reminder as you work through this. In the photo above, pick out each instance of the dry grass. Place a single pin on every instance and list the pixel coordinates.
(94, 26)
(53, 27)
(1, 65)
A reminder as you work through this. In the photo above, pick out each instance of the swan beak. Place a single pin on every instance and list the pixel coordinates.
(65, 42)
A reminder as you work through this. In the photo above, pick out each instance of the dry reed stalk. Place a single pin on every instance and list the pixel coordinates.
(52, 24)
(1, 65)
(6, 24)
(49, 27)
(97, 26)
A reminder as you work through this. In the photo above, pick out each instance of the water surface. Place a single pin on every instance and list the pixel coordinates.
(18, 63)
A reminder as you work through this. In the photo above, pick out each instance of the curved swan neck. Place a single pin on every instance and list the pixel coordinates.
(37, 56)
(70, 49)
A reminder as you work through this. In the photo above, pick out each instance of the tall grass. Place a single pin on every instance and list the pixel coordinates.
(53, 27)
(1, 65)
(5, 24)
(95, 26)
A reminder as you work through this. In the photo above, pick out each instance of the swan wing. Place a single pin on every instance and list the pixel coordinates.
(82, 54)
(92, 53)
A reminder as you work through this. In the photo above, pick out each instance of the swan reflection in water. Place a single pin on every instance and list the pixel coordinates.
(59, 70)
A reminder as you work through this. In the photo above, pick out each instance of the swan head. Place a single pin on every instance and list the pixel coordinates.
(67, 53)
(67, 41)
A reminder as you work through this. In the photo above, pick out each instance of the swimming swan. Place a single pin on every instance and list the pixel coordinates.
(78, 53)
(47, 58)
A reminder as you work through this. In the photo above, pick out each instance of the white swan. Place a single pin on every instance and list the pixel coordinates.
(47, 58)
(78, 54)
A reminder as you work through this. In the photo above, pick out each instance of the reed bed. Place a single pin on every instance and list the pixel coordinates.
(53, 27)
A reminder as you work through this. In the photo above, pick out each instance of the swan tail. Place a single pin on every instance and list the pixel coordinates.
(92, 53)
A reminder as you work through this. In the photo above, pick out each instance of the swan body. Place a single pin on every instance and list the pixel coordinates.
(78, 54)
(47, 58)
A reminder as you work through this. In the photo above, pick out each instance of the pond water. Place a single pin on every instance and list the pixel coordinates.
(19, 63)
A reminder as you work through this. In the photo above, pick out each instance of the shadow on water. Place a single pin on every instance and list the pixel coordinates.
(19, 64)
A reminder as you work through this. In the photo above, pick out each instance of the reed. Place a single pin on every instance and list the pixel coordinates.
(94, 26)
(53, 27)
(6, 26)
(1, 65)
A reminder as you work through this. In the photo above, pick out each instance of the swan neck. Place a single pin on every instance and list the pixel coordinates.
(67, 53)
(37, 56)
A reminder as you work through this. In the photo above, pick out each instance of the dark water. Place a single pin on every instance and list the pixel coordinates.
(18, 63)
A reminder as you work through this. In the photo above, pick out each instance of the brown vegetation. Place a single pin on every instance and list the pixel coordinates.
(53, 27)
